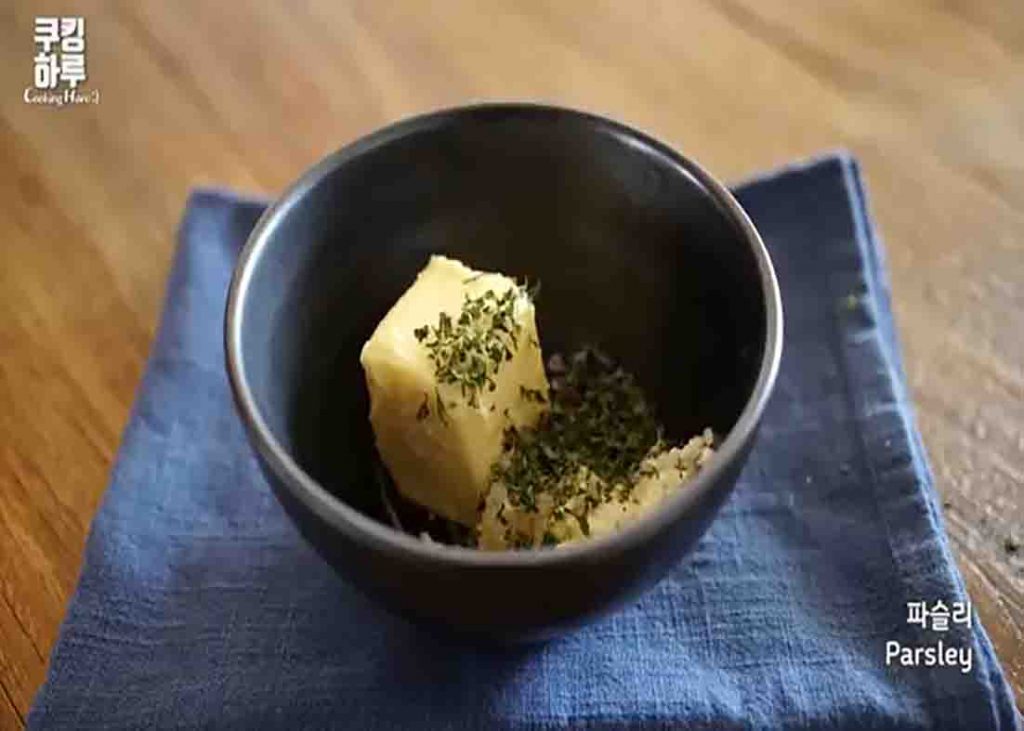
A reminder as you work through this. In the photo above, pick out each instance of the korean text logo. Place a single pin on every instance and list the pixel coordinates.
(59, 66)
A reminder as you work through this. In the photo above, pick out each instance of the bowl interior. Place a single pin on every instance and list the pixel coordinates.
(633, 254)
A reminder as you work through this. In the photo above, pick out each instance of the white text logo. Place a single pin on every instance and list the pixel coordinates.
(59, 66)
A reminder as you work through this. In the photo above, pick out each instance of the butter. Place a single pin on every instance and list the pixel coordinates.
(664, 473)
(659, 476)
(440, 456)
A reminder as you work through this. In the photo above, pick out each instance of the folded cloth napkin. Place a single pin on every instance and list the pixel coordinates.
(200, 605)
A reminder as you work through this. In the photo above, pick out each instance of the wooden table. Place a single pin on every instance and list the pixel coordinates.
(929, 95)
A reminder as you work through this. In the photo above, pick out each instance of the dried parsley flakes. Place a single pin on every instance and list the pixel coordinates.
(467, 352)
(599, 425)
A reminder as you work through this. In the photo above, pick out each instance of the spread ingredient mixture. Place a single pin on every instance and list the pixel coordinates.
(475, 429)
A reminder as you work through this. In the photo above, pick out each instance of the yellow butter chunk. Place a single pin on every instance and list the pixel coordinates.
(437, 438)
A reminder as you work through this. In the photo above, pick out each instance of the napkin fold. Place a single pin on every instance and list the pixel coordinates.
(200, 605)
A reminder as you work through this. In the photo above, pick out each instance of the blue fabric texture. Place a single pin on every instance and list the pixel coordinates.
(200, 605)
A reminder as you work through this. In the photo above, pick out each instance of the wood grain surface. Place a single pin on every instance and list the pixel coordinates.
(929, 94)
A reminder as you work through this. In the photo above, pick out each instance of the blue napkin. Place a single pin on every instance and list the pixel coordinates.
(200, 605)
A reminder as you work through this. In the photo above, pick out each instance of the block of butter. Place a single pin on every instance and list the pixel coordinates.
(437, 438)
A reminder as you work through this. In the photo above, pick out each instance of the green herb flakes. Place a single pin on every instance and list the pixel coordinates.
(589, 444)
(468, 351)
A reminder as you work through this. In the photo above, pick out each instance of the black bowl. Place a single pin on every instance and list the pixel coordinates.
(639, 252)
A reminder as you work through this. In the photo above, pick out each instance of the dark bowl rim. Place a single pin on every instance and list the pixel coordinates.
(380, 537)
